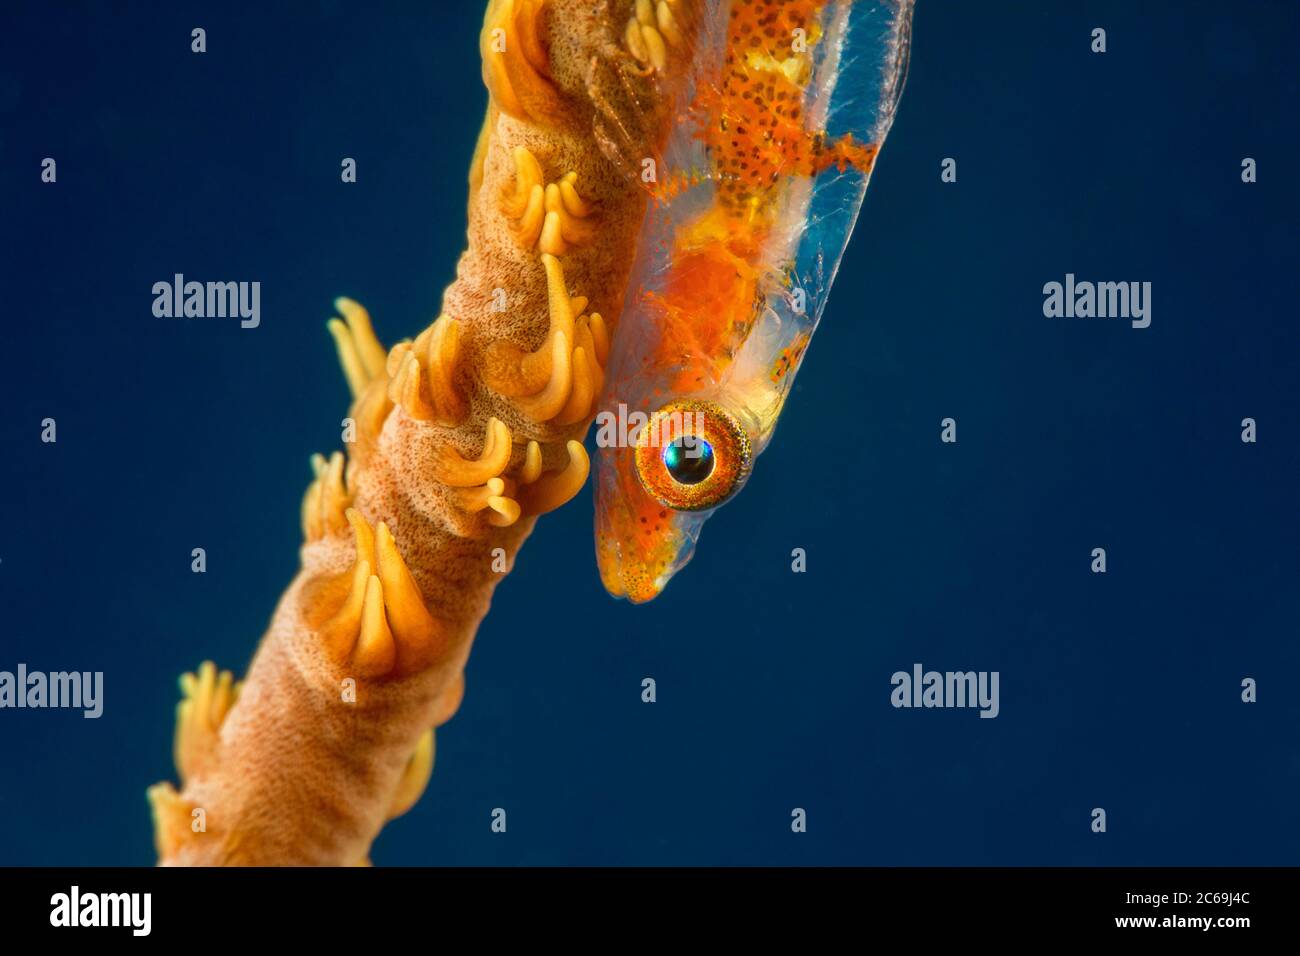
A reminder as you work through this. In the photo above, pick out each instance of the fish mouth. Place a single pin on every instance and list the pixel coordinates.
(640, 544)
(631, 577)
(634, 588)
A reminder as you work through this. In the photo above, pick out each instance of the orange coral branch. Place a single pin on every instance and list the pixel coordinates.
(462, 437)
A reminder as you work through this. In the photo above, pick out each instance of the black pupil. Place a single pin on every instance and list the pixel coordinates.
(689, 460)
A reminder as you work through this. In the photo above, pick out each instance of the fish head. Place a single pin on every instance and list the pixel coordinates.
(682, 460)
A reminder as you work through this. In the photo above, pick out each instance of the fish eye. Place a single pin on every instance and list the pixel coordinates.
(692, 455)
(689, 460)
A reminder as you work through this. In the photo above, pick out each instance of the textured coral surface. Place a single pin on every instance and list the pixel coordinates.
(462, 437)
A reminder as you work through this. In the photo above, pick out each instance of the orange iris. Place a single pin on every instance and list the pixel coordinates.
(692, 455)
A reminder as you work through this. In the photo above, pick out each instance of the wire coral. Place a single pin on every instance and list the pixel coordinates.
(462, 437)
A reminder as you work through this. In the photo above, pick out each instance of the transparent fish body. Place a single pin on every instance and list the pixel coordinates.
(764, 175)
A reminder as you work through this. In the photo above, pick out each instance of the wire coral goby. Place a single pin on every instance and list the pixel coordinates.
(778, 135)
(461, 438)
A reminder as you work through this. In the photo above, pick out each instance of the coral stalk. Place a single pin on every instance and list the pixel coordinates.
(463, 437)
